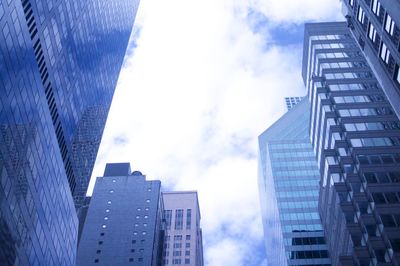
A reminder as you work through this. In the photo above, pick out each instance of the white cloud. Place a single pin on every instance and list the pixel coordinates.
(289, 11)
(190, 103)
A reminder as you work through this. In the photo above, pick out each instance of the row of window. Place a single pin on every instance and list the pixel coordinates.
(386, 198)
(375, 142)
(299, 216)
(294, 228)
(176, 261)
(382, 177)
(297, 204)
(178, 218)
(365, 112)
(295, 194)
(176, 245)
(372, 126)
(379, 159)
(176, 253)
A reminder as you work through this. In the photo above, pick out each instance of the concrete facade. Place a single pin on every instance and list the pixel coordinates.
(183, 239)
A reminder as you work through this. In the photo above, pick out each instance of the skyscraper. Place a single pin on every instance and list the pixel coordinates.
(183, 239)
(124, 220)
(356, 137)
(292, 101)
(288, 185)
(375, 26)
(60, 62)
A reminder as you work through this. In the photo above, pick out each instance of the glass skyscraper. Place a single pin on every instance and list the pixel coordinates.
(356, 136)
(289, 187)
(59, 64)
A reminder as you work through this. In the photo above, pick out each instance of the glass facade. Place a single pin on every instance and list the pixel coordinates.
(356, 137)
(288, 184)
(59, 64)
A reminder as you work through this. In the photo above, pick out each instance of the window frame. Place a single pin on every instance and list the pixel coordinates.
(372, 35)
(384, 53)
(360, 15)
(389, 27)
(376, 7)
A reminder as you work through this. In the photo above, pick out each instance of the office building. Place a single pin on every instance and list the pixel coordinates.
(59, 65)
(355, 134)
(292, 101)
(289, 188)
(375, 25)
(183, 239)
(123, 225)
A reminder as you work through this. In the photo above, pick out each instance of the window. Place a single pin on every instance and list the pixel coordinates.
(389, 24)
(376, 7)
(111, 191)
(130, 259)
(187, 261)
(140, 259)
(188, 219)
(360, 15)
(98, 251)
(148, 200)
(187, 237)
(351, 2)
(372, 32)
(104, 226)
(397, 75)
(179, 219)
(100, 242)
(187, 245)
(108, 210)
(187, 253)
(96, 261)
(102, 234)
(384, 53)
(168, 218)
(178, 238)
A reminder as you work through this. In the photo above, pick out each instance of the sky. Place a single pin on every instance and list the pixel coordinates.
(200, 82)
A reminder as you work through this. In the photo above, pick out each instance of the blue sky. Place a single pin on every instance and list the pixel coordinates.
(201, 80)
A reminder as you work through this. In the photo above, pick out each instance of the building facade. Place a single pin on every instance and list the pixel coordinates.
(375, 24)
(59, 65)
(289, 187)
(183, 239)
(292, 101)
(124, 224)
(355, 135)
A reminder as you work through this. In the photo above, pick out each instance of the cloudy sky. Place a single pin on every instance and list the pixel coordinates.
(201, 80)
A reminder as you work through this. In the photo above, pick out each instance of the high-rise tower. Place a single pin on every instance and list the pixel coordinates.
(59, 65)
(288, 185)
(124, 220)
(356, 137)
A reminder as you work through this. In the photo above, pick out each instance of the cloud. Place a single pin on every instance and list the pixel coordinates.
(199, 84)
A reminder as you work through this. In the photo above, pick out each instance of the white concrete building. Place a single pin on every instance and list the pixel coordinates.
(183, 239)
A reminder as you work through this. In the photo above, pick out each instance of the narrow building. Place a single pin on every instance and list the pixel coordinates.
(183, 239)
